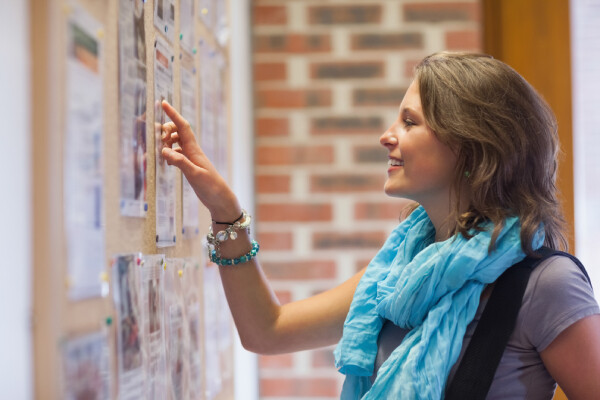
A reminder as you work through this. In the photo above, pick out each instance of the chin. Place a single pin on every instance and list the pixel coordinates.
(393, 192)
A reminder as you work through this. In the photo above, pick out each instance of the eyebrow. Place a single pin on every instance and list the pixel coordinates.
(407, 111)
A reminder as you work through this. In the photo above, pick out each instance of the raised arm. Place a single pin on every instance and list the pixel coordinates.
(263, 324)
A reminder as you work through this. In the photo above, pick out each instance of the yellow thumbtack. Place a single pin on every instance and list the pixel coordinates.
(180, 272)
(104, 277)
(205, 11)
(165, 265)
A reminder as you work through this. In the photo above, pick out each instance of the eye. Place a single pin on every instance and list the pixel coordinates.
(408, 122)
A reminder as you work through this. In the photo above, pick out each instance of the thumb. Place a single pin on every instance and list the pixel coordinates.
(179, 160)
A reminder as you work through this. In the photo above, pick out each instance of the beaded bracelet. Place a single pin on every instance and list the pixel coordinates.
(235, 261)
(214, 241)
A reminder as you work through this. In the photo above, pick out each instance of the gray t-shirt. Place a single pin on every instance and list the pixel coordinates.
(557, 295)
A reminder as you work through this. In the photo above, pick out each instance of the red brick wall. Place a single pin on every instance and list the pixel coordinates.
(328, 79)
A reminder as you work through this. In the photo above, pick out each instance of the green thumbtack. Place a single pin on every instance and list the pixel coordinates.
(109, 321)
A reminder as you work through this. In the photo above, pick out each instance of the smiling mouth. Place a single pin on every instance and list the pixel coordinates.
(395, 163)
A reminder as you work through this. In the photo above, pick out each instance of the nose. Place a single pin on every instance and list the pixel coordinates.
(388, 139)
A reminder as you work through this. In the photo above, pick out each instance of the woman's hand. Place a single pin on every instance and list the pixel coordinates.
(209, 185)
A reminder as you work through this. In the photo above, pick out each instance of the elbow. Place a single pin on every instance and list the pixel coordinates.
(261, 346)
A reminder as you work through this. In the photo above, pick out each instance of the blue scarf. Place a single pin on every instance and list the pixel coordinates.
(432, 289)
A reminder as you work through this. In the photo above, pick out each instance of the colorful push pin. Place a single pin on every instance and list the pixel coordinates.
(180, 273)
(181, 36)
(138, 261)
(194, 50)
(204, 11)
(100, 33)
(108, 321)
(172, 58)
(165, 265)
(166, 28)
(104, 277)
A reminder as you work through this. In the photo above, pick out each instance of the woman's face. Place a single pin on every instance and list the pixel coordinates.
(420, 167)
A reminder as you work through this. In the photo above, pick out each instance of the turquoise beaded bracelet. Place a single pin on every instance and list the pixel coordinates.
(235, 261)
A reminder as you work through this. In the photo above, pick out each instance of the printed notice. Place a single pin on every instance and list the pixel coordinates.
(165, 174)
(212, 362)
(186, 18)
(164, 17)
(177, 340)
(193, 312)
(130, 359)
(132, 108)
(85, 365)
(83, 158)
(152, 312)
(189, 101)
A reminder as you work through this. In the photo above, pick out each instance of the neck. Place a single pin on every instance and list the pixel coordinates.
(441, 222)
(439, 213)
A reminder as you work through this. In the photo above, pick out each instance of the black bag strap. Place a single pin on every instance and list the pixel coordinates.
(476, 371)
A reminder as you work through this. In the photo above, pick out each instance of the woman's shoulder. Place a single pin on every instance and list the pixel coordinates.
(557, 295)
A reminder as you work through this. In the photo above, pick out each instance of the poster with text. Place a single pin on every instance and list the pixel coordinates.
(212, 354)
(191, 294)
(221, 112)
(126, 294)
(152, 314)
(189, 104)
(208, 135)
(85, 367)
(164, 17)
(83, 157)
(207, 12)
(177, 339)
(132, 108)
(165, 174)
(186, 28)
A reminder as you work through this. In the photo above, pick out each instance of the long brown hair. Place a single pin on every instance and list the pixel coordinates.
(505, 137)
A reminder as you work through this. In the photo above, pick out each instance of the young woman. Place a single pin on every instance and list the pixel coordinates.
(475, 147)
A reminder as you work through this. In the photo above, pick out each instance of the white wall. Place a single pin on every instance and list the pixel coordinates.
(16, 380)
(585, 57)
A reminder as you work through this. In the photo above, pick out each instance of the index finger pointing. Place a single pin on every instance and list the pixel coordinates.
(183, 126)
(173, 114)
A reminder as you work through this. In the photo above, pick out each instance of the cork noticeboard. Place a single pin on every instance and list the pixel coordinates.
(59, 320)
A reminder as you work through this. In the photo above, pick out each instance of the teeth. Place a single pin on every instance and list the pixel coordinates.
(392, 162)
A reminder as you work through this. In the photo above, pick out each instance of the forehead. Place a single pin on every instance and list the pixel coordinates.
(412, 97)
